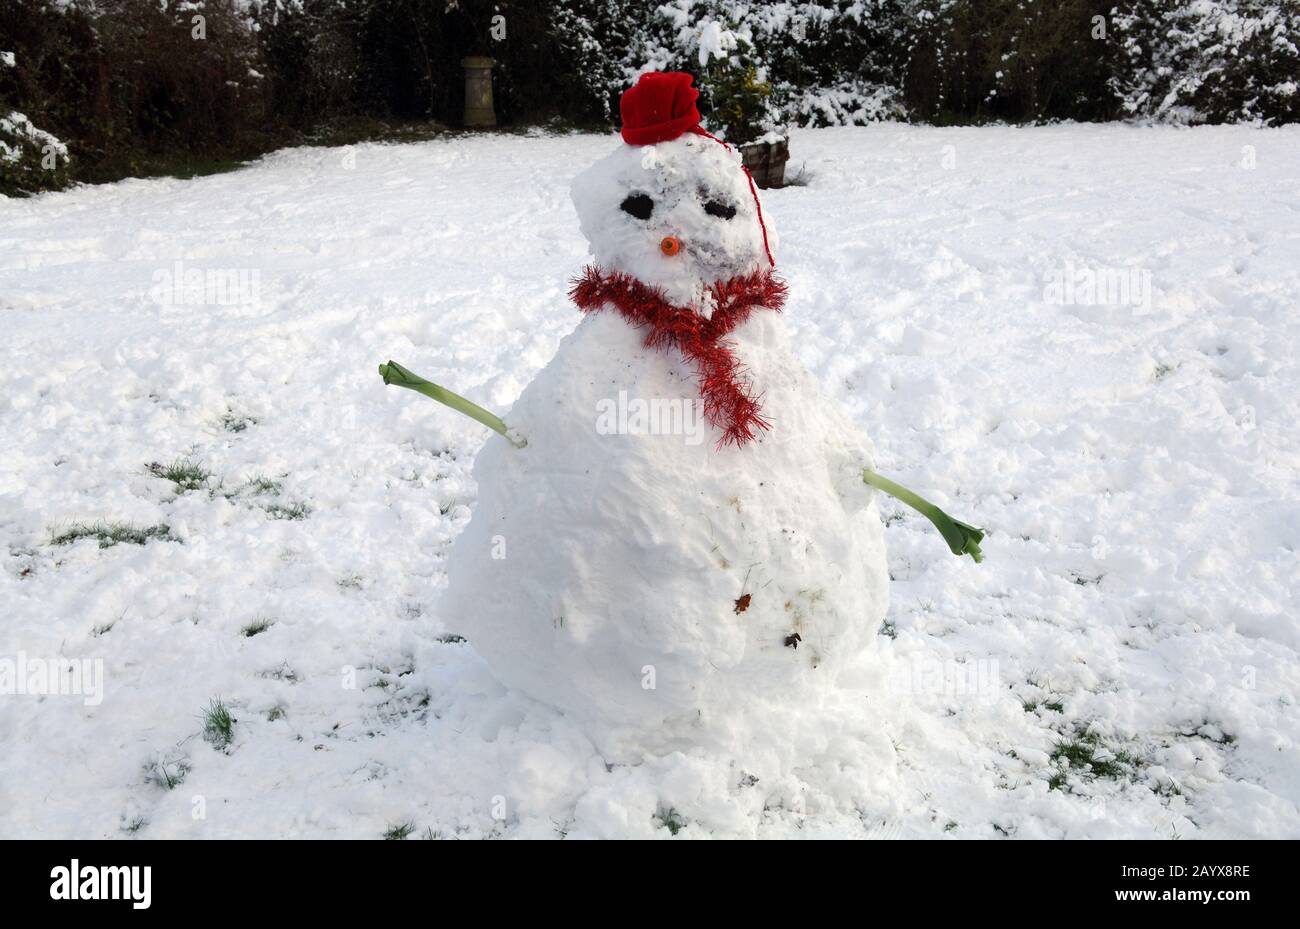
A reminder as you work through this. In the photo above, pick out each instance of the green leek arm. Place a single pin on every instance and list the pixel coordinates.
(961, 538)
(393, 373)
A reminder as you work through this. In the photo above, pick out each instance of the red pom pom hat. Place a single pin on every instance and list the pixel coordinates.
(660, 107)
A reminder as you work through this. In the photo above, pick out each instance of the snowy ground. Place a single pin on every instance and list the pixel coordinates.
(1122, 664)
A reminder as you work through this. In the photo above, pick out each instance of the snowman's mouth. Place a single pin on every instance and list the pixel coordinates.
(710, 258)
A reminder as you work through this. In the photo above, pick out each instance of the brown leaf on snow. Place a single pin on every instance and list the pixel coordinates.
(742, 603)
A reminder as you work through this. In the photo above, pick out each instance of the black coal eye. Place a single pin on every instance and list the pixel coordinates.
(714, 208)
(639, 205)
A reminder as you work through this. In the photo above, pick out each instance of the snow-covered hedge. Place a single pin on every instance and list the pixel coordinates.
(25, 148)
(129, 86)
(1210, 60)
(135, 86)
(30, 157)
(833, 62)
(827, 61)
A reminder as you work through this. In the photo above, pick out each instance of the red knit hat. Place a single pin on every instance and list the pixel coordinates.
(658, 107)
(661, 106)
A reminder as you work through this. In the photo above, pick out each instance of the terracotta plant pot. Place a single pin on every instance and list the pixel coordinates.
(766, 161)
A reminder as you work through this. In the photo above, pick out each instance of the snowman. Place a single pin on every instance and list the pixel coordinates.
(678, 536)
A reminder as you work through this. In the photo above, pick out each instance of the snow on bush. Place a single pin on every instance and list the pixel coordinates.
(839, 62)
(845, 62)
(849, 103)
(17, 133)
(18, 127)
(824, 60)
(25, 149)
(1210, 60)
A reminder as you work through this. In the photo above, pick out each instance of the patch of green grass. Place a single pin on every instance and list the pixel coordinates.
(1086, 754)
(671, 820)
(1168, 789)
(276, 712)
(256, 627)
(236, 422)
(167, 772)
(1056, 706)
(134, 824)
(110, 534)
(218, 725)
(185, 474)
(260, 485)
(399, 832)
(288, 511)
(949, 826)
(887, 628)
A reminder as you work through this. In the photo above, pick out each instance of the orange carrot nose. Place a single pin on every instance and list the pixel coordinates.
(670, 245)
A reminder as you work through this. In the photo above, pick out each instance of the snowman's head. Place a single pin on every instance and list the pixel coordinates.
(672, 208)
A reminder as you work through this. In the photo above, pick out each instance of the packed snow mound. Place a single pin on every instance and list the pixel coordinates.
(640, 577)
(683, 179)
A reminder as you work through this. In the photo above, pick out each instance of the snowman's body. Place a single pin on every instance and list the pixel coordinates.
(623, 566)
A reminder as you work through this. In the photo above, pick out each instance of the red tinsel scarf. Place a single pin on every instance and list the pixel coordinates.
(729, 402)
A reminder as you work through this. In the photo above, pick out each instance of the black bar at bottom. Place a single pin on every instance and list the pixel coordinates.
(301, 878)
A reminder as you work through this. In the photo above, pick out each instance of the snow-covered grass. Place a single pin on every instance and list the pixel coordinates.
(206, 487)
